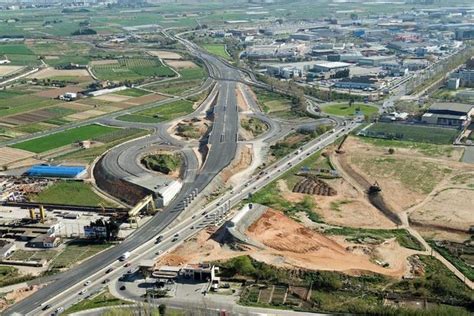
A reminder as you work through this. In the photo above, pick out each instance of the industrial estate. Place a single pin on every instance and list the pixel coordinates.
(246, 157)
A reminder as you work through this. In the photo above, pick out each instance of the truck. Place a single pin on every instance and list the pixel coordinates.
(124, 256)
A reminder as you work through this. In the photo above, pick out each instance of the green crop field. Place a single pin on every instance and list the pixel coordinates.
(160, 113)
(217, 49)
(133, 69)
(133, 92)
(64, 138)
(69, 192)
(23, 103)
(414, 133)
(343, 109)
(15, 49)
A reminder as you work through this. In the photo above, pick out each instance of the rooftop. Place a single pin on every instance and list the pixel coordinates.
(457, 107)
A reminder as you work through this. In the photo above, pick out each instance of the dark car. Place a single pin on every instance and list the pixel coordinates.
(174, 239)
(109, 270)
(106, 281)
(159, 239)
(122, 288)
(47, 306)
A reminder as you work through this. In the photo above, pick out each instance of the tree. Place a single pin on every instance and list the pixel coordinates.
(162, 309)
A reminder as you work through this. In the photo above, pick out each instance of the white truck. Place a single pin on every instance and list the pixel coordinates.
(124, 256)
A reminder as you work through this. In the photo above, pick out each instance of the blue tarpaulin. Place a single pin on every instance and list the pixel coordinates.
(55, 171)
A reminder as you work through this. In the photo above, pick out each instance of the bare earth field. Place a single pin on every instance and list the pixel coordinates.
(407, 177)
(348, 208)
(113, 97)
(146, 99)
(51, 72)
(9, 155)
(84, 115)
(56, 92)
(5, 70)
(163, 54)
(456, 195)
(104, 62)
(181, 64)
(290, 244)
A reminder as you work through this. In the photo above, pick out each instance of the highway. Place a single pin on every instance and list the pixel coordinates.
(222, 146)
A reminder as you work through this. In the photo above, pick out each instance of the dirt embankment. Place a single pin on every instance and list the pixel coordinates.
(242, 161)
(291, 245)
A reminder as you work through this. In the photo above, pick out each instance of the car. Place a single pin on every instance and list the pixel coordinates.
(204, 213)
(192, 227)
(109, 270)
(159, 252)
(122, 288)
(128, 264)
(83, 292)
(59, 310)
(176, 235)
(106, 281)
(45, 307)
(87, 283)
(193, 217)
(159, 238)
(174, 239)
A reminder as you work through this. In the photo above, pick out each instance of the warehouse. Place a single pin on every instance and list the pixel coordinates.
(449, 114)
(48, 171)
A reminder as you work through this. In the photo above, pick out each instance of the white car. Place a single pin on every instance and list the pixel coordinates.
(87, 283)
(83, 292)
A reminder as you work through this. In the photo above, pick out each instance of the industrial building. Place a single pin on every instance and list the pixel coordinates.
(48, 171)
(449, 114)
(360, 82)
(466, 77)
(376, 61)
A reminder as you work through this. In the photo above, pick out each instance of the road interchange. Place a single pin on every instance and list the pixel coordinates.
(222, 148)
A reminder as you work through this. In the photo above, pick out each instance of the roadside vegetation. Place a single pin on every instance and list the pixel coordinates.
(10, 275)
(278, 105)
(360, 235)
(253, 125)
(164, 162)
(102, 299)
(349, 109)
(334, 292)
(424, 148)
(295, 140)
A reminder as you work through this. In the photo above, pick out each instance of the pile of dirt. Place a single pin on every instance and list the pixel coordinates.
(240, 163)
(277, 231)
(315, 186)
(15, 296)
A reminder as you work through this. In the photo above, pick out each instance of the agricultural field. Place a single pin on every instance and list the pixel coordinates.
(132, 69)
(190, 79)
(217, 49)
(161, 113)
(88, 155)
(64, 138)
(412, 133)
(343, 109)
(22, 103)
(70, 192)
